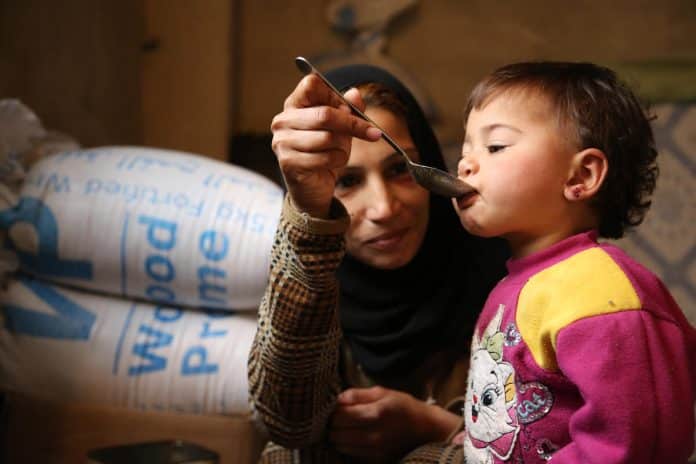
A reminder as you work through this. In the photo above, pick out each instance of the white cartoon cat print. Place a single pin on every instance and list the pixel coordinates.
(489, 409)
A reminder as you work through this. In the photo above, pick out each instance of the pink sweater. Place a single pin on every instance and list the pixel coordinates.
(580, 356)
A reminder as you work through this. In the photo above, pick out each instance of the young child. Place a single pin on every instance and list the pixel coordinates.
(580, 354)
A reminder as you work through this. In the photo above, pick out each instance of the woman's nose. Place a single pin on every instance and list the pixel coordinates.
(382, 203)
(467, 166)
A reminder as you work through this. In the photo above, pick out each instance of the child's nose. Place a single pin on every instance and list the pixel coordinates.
(467, 166)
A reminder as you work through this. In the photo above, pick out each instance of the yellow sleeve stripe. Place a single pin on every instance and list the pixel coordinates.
(587, 284)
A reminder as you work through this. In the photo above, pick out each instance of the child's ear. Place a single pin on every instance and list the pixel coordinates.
(587, 172)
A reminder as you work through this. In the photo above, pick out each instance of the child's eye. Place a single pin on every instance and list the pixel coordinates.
(347, 181)
(496, 148)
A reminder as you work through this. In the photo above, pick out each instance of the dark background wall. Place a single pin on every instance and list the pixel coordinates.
(188, 75)
(77, 64)
(445, 46)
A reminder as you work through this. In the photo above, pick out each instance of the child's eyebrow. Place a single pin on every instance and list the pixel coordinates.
(491, 127)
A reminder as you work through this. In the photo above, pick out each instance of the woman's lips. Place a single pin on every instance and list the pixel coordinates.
(388, 240)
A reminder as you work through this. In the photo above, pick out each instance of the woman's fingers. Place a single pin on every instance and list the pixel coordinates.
(317, 118)
(362, 395)
(313, 106)
(378, 421)
(347, 416)
(356, 407)
(311, 91)
(339, 120)
(310, 141)
(304, 149)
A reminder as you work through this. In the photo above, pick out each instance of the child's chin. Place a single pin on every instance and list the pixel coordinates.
(473, 227)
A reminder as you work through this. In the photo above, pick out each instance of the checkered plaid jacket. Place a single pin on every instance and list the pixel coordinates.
(294, 361)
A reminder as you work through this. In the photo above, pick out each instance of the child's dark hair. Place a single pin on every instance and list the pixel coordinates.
(599, 111)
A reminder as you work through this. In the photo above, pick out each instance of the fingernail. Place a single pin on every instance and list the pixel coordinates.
(374, 133)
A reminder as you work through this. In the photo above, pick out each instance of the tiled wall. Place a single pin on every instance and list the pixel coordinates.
(666, 241)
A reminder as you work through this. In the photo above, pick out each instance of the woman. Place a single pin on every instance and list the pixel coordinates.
(373, 282)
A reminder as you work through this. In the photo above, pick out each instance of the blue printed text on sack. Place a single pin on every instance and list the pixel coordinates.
(142, 194)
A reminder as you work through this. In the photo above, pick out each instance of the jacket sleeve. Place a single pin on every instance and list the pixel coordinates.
(635, 373)
(293, 362)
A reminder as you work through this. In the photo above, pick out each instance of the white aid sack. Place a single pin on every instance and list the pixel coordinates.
(147, 223)
(71, 345)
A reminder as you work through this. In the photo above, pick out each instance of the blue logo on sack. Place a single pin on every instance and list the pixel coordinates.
(46, 262)
(71, 320)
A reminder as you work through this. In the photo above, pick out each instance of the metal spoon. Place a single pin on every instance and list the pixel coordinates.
(433, 179)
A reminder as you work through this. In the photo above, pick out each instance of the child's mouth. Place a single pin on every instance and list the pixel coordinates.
(467, 200)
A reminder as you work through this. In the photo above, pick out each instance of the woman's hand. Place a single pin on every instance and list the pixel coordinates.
(378, 423)
(312, 139)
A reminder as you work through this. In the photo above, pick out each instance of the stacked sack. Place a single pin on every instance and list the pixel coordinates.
(139, 272)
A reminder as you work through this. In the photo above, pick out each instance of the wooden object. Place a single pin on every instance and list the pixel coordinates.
(48, 432)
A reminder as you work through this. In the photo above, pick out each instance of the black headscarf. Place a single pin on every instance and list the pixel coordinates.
(393, 320)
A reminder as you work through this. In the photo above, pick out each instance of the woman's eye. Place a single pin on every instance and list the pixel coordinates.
(397, 169)
(347, 181)
(496, 148)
